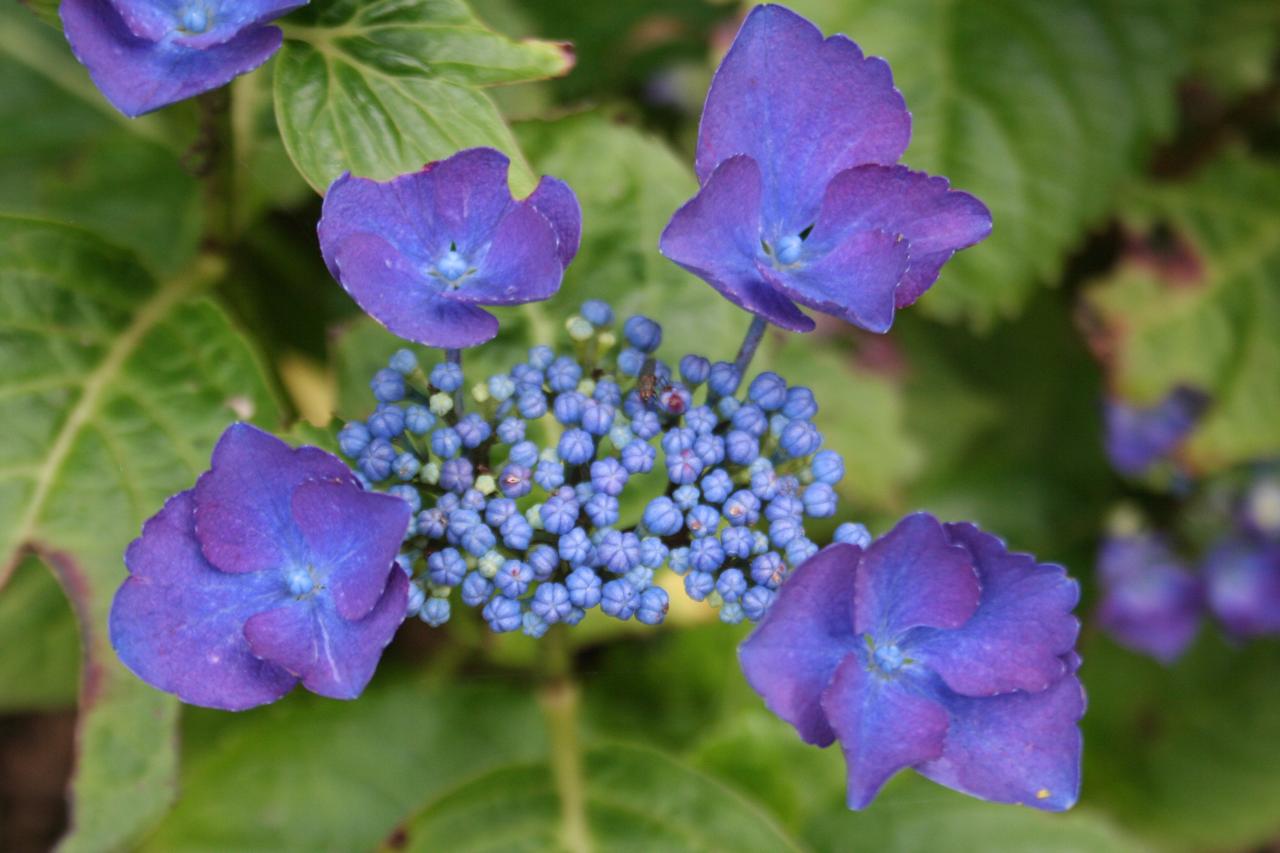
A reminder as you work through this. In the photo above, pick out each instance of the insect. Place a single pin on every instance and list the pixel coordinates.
(649, 383)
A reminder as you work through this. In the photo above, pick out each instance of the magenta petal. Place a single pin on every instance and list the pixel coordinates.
(805, 108)
(139, 75)
(527, 268)
(913, 576)
(554, 200)
(334, 657)
(243, 515)
(176, 622)
(353, 536)
(790, 657)
(399, 297)
(716, 236)
(1023, 625)
(1015, 748)
(884, 725)
(855, 281)
(935, 220)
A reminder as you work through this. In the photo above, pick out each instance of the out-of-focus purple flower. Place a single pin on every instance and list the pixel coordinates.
(1242, 581)
(935, 648)
(277, 567)
(801, 200)
(1138, 438)
(1150, 602)
(145, 54)
(422, 251)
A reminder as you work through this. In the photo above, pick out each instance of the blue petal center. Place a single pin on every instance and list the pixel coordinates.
(299, 581)
(452, 266)
(889, 659)
(788, 249)
(194, 19)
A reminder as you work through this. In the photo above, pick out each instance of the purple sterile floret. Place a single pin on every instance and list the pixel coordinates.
(1242, 580)
(145, 54)
(801, 200)
(422, 251)
(934, 648)
(276, 568)
(1150, 602)
(1137, 438)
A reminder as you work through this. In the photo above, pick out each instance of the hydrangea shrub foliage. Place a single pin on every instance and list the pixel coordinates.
(615, 428)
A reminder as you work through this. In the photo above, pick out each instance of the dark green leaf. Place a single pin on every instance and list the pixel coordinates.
(41, 662)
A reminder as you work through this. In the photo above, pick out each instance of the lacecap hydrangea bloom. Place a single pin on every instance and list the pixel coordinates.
(146, 54)
(801, 200)
(572, 482)
(276, 568)
(933, 648)
(1151, 602)
(421, 252)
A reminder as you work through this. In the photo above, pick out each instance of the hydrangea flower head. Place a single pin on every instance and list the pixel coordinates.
(801, 200)
(934, 648)
(146, 54)
(1242, 584)
(1137, 438)
(421, 252)
(276, 568)
(1150, 602)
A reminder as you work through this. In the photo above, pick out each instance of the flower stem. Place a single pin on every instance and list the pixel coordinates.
(211, 160)
(755, 333)
(559, 699)
(454, 356)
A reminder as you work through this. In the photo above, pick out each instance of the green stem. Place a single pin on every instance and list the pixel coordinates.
(211, 159)
(559, 698)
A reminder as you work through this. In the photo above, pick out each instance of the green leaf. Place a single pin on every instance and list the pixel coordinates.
(314, 774)
(634, 798)
(115, 389)
(1189, 754)
(1201, 306)
(66, 155)
(380, 88)
(1039, 107)
(41, 663)
(45, 10)
(629, 184)
(1236, 44)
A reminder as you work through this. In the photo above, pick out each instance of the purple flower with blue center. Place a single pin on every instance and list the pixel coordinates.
(421, 252)
(1137, 438)
(937, 649)
(146, 54)
(1242, 585)
(801, 200)
(1150, 602)
(276, 568)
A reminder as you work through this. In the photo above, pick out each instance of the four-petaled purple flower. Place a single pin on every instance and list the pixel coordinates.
(1137, 438)
(801, 200)
(421, 252)
(1242, 584)
(1150, 602)
(146, 54)
(277, 567)
(937, 649)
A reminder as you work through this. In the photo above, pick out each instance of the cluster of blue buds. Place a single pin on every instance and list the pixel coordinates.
(569, 481)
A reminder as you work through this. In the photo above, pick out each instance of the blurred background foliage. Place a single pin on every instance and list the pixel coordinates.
(1130, 152)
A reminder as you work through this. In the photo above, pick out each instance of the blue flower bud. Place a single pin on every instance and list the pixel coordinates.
(765, 485)
(576, 548)
(710, 449)
(403, 362)
(645, 425)
(448, 502)
(597, 417)
(800, 404)
(652, 552)
(760, 542)
(446, 567)
(473, 499)
(607, 392)
(387, 385)
(478, 539)
(584, 491)
(531, 403)
(377, 459)
(675, 399)
(608, 476)
(446, 376)
(597, 312)
(432, 523)
(638, 457)
(678, 438)
(418, 419)
(642, 333)
(640, 578)
(568, 407)
(564, 374)
(723, 379)
(853, 534)
(584, 588)
(698, 585)
(456, 475)
(731, 584)
(513, 578)
(741, 447)
(726, 407)
(702, 520)
(515, 481)
(445, 442)
(784, 506)
(417, 598)
(549, 474)
(768, 569)
(684, 467)
(737, 542)
(799, 550)
(751, 419)
(619, 552)
(678, 560)
(435, 612)
(602, 509)
(686, 497)
(533, 625)
(800, 438)
(706, 555)
(827, 467)
(784, 530)
(476, 589)
(560, 512)
(820, 500)
(618, 599)
(516, 532)
(387, 421)
(551, 602)
(576, 447)
(353, 438)
(716, 486)
(768, 391)
(408, 494)
(653, 606)
(662, 517)
(732, 613)
(502, 614)
(630, 362)
(694, 369)
(741, 509)
(541, 356)
(405, 466)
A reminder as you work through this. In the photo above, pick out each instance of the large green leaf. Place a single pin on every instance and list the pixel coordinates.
(1039, 107)
(66, 155)
(379, 88)
(115, 389)
(41, 660)
(1202, 307)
